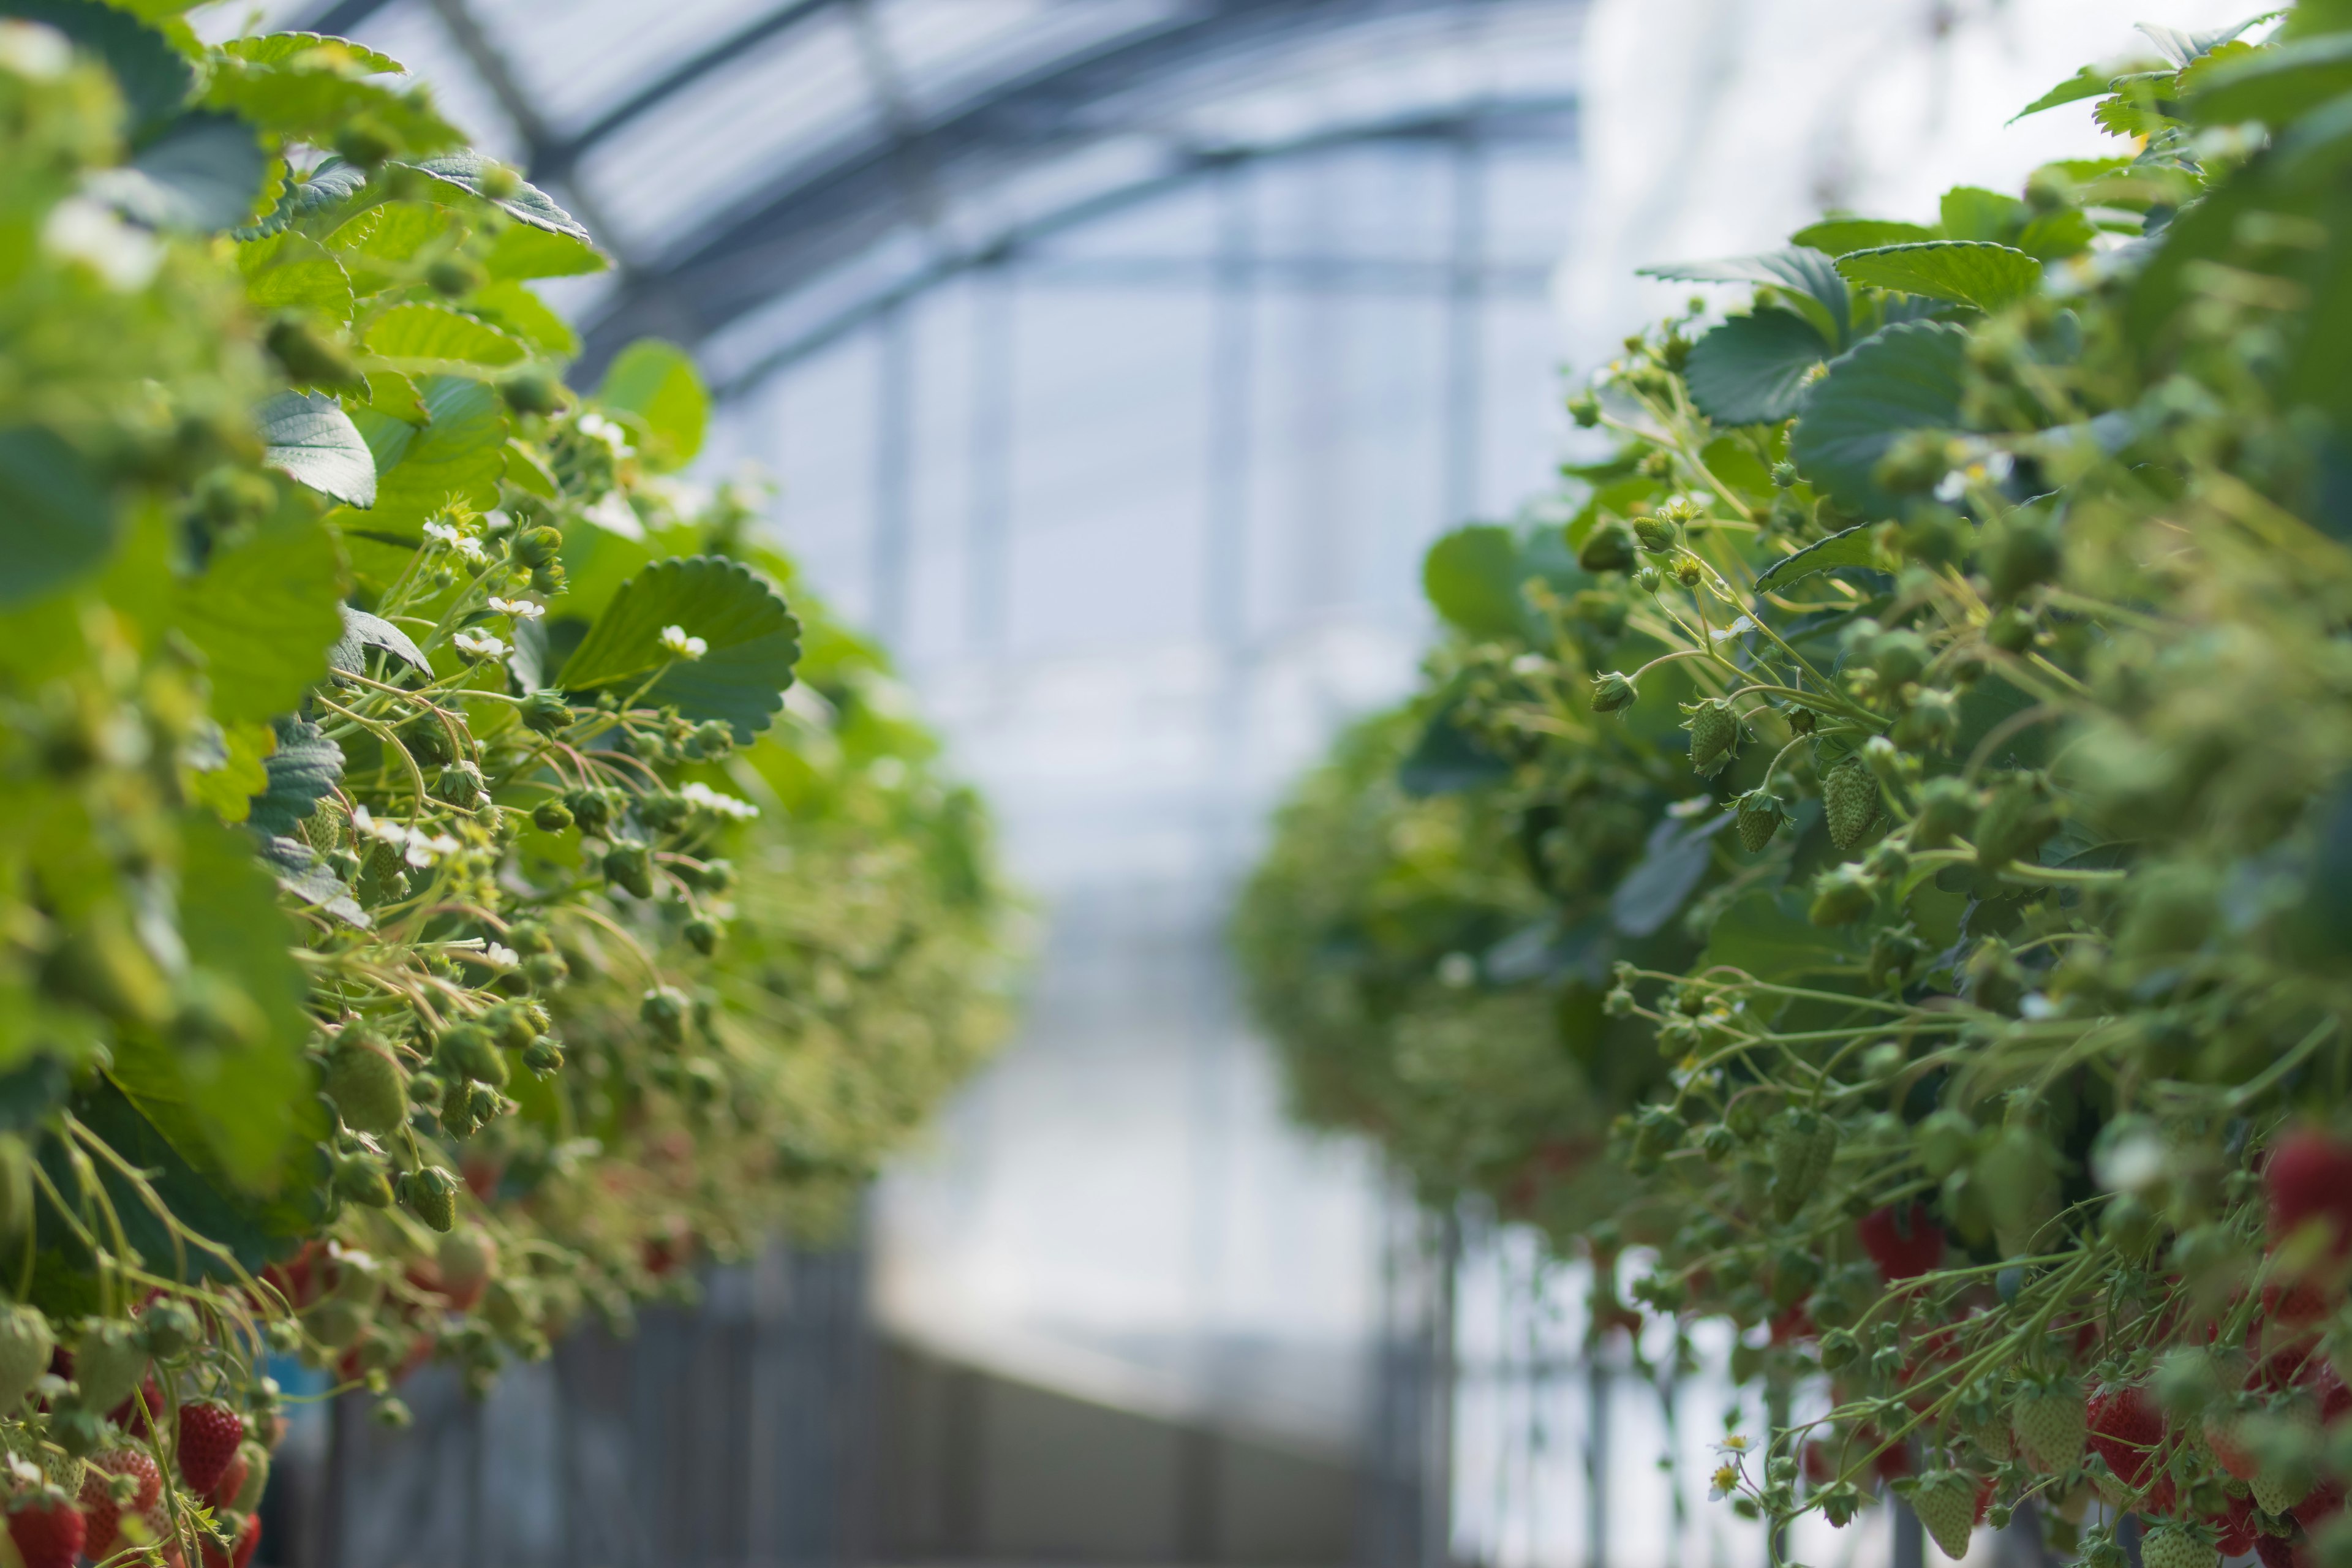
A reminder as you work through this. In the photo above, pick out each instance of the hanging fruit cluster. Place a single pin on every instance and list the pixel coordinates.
(443, 891)
(1902, 818)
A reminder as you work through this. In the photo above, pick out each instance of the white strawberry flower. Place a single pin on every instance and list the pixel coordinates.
(480, 645)
(680, 646)
(520, 609)
(702, 796)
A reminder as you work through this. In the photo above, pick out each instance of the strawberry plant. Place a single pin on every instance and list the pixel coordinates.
(445, 890)
(1907, 803)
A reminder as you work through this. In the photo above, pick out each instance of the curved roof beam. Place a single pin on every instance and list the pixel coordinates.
(818, 214)
(1480, 124)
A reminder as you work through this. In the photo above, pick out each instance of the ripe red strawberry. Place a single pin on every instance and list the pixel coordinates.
(132, 1413)
(102, 1515)
(2281, 1550)
(2126, 1430)
(47, 1531)
(2325, 1502)
(232, 1481)
(209, 1433)
(2309, 1177)
(1904, 1244)
(2235, 1528)
(238, 1556)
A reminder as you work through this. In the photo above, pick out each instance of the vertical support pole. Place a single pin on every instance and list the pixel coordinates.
(988, 546)
(894, 439)
(1465, 323)
(1910, 1538)
(1597, 1382)
(1224, 575)
(1437, 1413)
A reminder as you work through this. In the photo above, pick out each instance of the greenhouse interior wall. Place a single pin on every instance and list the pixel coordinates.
(1113, 361)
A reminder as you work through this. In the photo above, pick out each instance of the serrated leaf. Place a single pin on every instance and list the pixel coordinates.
(460, 454)
(1673, 863)
(201, 174)
(235, 772)
(752, 642)
(288, 270)
(524, 316)
(1903, 379)
(528, 472)
(1972, 212)
(1965, 271)
(276, 48)
(2277, 85)
(1472, 577)
(2053, 236)
(55, 521)
(2090, 82)
(1766, 934)
(394, 231)
(331, 183)
(523, 252)
(1850, 547)
(2183, 48)
(155, 78)
(1837, 236)
(363, 631)
(299, 873)
(420, 339)
(1751, 369)
(656, 382)
(466, 168)
(394, 395)
(263, 613)
(1810, 278)
(307, 437)
(303, 767)
(298, 99)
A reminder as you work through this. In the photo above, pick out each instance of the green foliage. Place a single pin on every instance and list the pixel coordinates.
(1995, 1061)
(316, 889)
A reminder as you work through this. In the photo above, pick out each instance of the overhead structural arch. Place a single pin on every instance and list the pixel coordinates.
(934, 165)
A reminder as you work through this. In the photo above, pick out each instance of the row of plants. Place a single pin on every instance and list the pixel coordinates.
(1875, 874)
(445, 892)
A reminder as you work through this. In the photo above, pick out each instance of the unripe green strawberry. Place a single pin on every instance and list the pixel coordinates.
(543, 1058)
(702, 935)
(360, 1180)
(453, 276)
(1983, 1425)
(1612, 693)
(536, 547)
(308, 354)
(431, 1195)
(1849, 801)
(532, 391)
(256, 1477)
(109, 1362)
(369, 1091)
(426, 739)
(1605, 549)
(2023, 552)
(551, 817)
(2049, 1417)
(665, 1009)
(1758, 820)
(2015, 822)
(546, 711)
(1841, 895)
(1948, 1503)
(628, 864)
(2171, 1545)
(1948, 808)
(1653, 534)
(1715, 735)
(1804, 1145)
(466, 1051)
(26, 1344)
(2286, 1442)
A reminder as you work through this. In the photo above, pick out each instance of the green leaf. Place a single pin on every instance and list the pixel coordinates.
(751, 642)
(394, 231)
(1837, 236)
(297, 99)
(2090, 81)
(460, 454)
(656, 382)
(2182, 49)
(304, 767)
(307, 437)
(527, 471)
(55, 521)
(419, 338)
(2053, 236)
(1850, 547)
(393, 395)
(1751, 370)
(276, 48)
(1810, 278)
(1448, 759)
(203, 174)
(264, 613)
(2276, 86)
(363, 631)
(1903, 379)
(288, 271)
(465, 169)
(1971, 212)
(227, 780)
(523, 252)
(155, 77)
(1766, 934)
(1673, 863)
(1965, 271)
(525, 316)
(331, 183)
(1471, 576)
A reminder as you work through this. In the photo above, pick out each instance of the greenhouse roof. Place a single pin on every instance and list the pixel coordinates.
(767, 173)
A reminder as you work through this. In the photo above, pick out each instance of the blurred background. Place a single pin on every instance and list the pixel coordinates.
(1115, 361)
